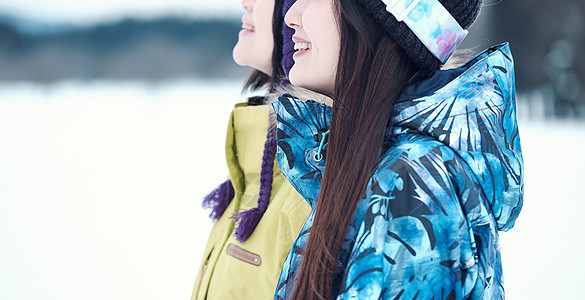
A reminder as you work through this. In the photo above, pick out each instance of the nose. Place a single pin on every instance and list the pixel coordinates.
(248, 4)
(294, 15)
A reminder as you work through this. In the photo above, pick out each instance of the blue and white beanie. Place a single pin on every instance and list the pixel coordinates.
(428, 30)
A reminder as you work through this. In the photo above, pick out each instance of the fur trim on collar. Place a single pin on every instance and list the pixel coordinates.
(301, 93)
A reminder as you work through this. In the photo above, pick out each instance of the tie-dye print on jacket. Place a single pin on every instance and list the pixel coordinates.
(450, 179)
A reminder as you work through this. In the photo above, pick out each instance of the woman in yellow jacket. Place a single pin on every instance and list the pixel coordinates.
(257, 213)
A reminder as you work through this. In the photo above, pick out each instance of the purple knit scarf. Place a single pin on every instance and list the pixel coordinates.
(249, 219)
(219, 199)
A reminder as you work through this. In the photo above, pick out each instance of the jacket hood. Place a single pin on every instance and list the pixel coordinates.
(471, 109)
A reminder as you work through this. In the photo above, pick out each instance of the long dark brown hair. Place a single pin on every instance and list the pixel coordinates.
(258, 79)
(372, 71)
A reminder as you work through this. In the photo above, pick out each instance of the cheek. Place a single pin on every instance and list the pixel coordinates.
(321, 27)
(263, 14)
(327, 54)
(331, 48)
(263, 22)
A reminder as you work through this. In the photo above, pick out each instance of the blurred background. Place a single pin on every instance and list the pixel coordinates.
(112, 124)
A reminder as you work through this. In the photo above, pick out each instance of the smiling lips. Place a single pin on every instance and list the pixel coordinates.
(300, 45)
(247, 27)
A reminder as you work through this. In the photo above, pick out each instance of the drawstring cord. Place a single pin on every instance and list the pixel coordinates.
(319, 156)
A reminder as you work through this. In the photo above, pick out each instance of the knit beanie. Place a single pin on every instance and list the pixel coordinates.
(288, 46)
(463, 11)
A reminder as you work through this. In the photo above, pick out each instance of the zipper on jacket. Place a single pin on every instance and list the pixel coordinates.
(203, 269)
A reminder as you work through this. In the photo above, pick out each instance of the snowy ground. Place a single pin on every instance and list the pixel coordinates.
(100, 187)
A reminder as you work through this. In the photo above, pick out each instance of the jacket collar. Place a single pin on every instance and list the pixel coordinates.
(300, 127)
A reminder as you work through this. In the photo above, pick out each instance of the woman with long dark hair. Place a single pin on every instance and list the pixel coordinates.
(413, 170)
(257, 213)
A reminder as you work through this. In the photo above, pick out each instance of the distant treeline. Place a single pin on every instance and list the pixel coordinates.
(547, 41)
(129, 49)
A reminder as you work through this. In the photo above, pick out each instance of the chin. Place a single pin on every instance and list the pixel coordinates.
(298, 79)
(243, 58)
(237, 57)
(325, 89)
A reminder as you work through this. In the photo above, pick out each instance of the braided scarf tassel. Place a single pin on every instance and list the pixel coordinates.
(219, 199)
(248, 220)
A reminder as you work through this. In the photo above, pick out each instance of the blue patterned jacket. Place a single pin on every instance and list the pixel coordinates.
(450, 179)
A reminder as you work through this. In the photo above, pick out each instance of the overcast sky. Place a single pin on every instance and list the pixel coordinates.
(91, 11)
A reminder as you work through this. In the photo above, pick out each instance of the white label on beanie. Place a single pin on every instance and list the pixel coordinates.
(431, 23)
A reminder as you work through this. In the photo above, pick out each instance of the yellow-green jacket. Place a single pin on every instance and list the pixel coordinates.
(250, 270)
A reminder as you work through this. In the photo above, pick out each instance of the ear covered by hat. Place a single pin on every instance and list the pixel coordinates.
(464, 12)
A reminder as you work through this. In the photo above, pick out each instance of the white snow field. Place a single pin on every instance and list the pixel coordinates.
(101, 185)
